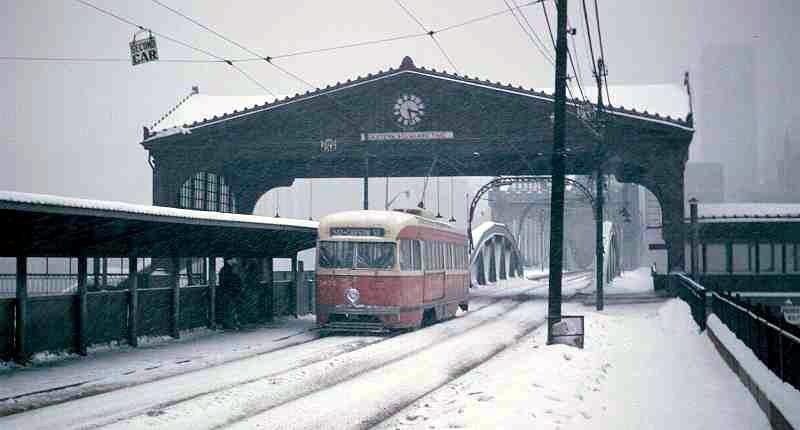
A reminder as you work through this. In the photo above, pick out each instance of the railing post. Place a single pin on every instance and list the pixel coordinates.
(176, 298)
(22, 310)
(83, 309)
(133, 313)
(295, 285)
(212, 292)
(709, 305)
(269, 309)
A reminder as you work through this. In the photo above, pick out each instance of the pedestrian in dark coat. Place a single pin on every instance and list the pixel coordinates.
(231, 287)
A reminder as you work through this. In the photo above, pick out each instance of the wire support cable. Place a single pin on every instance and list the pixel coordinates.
(428, 32)
(602, 52)
(589, 39)
(569, 53)
(171, 39)
(97, 59)
(530, 32)
(533, 31)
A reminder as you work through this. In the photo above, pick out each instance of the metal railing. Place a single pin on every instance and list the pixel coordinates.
(694, 295)
(775, 342)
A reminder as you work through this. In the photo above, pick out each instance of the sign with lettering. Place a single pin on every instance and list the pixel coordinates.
(357, 231)
(143, 50)
(406, 135)
(791, 312)
(327, 145)
(656, 246)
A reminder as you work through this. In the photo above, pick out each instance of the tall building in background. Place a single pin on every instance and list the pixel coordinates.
(704, 182)
(726, 116)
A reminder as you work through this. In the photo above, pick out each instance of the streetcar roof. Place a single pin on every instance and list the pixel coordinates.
(391, 221)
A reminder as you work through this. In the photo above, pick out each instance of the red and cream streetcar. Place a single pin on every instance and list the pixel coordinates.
(385, 270)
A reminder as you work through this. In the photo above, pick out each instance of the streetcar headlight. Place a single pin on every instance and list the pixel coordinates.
(352, 295)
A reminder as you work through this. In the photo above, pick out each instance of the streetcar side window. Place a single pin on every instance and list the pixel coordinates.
(410, 255)
(416, 248)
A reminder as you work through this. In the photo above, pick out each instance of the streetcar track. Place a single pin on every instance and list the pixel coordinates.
(366, 369)
(346, 348)
(463, 338)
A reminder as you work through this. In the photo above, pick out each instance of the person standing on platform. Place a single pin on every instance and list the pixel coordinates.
(231, 285)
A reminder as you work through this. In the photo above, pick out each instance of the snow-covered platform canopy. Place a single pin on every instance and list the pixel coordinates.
(45, 225)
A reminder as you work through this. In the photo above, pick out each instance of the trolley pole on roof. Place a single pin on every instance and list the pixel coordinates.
(558, 166)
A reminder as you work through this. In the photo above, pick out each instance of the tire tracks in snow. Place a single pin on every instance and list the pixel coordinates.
(238, 404)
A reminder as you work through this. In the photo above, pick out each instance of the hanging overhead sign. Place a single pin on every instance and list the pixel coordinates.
(143, 50)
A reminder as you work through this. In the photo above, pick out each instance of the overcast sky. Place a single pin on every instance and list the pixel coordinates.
(74, 128)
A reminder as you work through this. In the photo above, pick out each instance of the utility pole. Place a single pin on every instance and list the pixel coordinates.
(366, 180)
(599, 249)
(558, 166)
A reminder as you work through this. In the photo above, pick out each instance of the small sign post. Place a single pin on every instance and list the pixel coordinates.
(143, 50)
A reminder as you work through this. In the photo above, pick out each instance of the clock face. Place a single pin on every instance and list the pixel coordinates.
(409, 110)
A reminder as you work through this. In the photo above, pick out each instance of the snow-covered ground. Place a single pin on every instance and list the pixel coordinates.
(643, 366)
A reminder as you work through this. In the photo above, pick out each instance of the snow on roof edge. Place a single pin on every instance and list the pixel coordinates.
(160, 211)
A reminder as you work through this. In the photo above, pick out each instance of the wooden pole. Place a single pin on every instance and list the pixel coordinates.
(599, 250)
(269, 309)
(83, 307)
(293, 292)
(558, 172)
(133, 313)
(22, 352)
(212, 292)
(176, 298)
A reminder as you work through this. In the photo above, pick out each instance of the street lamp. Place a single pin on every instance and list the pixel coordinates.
(390, 202)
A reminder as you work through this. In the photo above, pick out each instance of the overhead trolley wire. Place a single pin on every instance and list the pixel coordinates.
(430, 33)
(569, 52)
(589, 39)
(203, 51)
(602, 53)
(533, 32)
(99, 60)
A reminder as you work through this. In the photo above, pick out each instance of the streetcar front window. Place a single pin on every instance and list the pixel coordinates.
(373, 255)
(336, 254)
(360, 255)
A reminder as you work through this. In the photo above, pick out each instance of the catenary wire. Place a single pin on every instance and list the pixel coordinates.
(569, 52)
(533, 30)
(430, 33)
(525, 30)
(129, 22)
(602, 53)
(99, 60)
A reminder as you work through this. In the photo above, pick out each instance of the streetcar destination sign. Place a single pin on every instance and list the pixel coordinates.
(357, 231)
(143, 50)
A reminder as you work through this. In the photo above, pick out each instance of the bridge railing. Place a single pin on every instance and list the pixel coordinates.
(696, 296)
(775, 342)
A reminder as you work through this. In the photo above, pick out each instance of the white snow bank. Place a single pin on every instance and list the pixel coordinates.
(785, 397)
(643, 366)
(12, 197)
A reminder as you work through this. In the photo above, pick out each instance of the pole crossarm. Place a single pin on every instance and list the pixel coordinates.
(508, 180)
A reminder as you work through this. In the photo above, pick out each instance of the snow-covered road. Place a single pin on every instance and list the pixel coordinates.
(645, 365)
(336, 382)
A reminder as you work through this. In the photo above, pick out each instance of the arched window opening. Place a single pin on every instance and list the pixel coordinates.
(207, 192)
